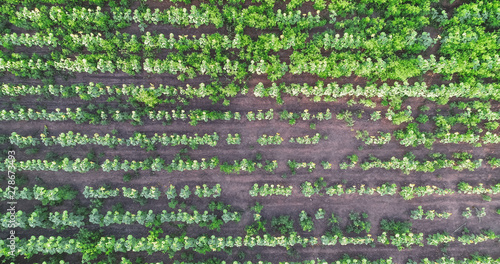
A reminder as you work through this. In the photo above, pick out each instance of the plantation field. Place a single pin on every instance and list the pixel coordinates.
(346, 131)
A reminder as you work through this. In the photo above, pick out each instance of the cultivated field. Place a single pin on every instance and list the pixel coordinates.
(236, 131)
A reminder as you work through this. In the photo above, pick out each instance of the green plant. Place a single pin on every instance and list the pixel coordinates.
(353, 161)
(346, 115)
(481, 212)
(283, 224)
(400, 117)
(382, 139)
(424, 108)
(233, 140)
(359, 114)
(467, 213)
(320, 214)
(31, 151)
(357, 224)
(185, 192)
(241, 255)
(257, 208)
(118, 207)
(491, 125)
(326, 165)
(173, 203)
(422, 119)
(395, 227)
(306, 221)
(127, 177)
(375, 116)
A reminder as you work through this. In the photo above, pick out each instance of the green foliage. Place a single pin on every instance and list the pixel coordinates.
(424, 108)
(309, 189)
(283, 224)
(353, 161)
(411, 136)
(467, 213)
(306, 139)
(439, 238)
(326, 165)
(306, 222)
(346, 115)
(481, 212)
(395, 227)
(375, 116)
(357, 224)
(320, 214)
(383, 138)
(88, 240)
(185, 192)
(128, 177)
(270, 140)
(257, 208)
(491, 125)
(294, 165)
(31, 151)
(270, 189)
(398, 118)
(429, 214)
(422, 119)
(233, 140)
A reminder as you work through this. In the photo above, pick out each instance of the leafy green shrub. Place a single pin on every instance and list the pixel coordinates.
(320, 214)
(375, 116)
(395, 227)
(357, 224)
(306, 221)
(467, 213)
(283, 224)
(422, 119)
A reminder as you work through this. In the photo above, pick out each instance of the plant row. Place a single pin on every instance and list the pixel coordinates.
(105, 192)
(71, 139)
(153, 243)
(408, 192)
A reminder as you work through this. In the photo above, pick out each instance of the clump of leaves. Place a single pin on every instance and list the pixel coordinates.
(283, 224)
(357, 223)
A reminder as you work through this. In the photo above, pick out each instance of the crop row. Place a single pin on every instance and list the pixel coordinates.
(71, 139)
(202, 244)
(103, 116)
(407, 192)
(195, 64)
(57, 195)
(462, 161)
(99, 115)
(60, 194)
(124, 44)
(474, 259)
(104, 192)
(261, 16)
(40, 218)
(317, 92)
(319, 187)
